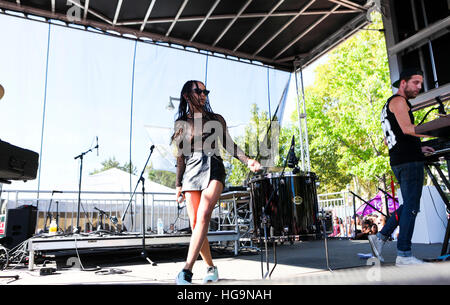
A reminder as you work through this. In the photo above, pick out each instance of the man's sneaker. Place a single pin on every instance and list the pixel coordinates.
(376, 244)
(212, 275)
(402, 261)
(184, 277)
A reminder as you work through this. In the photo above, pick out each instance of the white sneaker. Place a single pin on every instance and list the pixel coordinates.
(377, 246)
(212, 275)
(402, 261)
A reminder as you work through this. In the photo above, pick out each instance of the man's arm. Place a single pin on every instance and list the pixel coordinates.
(400, 109)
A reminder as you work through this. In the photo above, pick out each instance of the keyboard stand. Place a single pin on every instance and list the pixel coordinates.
(428, 165)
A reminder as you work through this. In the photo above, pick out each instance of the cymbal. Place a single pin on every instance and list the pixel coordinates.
(2, 91)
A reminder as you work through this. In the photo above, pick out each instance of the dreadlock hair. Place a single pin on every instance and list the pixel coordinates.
(184, 109)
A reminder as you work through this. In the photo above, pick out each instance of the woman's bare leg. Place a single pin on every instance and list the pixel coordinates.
(193, 202)
(208, 199)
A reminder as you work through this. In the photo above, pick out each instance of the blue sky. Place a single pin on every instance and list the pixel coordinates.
(92, 92)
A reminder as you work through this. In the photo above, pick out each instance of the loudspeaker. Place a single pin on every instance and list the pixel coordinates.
(17, 163)
(20, 225)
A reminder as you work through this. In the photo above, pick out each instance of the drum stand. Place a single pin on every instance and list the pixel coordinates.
(264, 222)
(325, 238)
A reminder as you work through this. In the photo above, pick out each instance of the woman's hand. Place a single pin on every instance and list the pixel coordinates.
(253, 165)
(180, 196)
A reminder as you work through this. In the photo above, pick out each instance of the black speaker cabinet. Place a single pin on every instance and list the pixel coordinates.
(20, 225)
(17, 163)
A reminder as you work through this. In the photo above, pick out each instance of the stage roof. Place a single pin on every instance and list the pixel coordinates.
(284, 34)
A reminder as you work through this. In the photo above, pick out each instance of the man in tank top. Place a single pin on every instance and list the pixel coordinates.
(407, 162)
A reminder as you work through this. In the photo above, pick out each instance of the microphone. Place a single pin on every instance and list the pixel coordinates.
(114, 220)
(152, 147)
(101, 211)
(292, 158)
(97, 146)
(179, 201)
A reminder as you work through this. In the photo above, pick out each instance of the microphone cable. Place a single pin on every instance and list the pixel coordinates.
(178, 213)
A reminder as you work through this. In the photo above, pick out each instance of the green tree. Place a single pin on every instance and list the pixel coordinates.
(343, 111)
(163, 177)
(255, 131)
(113, 163)
(257, 135)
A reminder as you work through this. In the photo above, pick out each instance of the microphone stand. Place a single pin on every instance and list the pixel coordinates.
(48, 214)
(102, 213)
(141, 179)
(81, 156)
(292, 160)
(57, 216)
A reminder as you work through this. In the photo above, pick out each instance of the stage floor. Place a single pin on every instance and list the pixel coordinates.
(301, 263)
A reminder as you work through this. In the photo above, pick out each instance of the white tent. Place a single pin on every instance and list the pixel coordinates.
(116, 180)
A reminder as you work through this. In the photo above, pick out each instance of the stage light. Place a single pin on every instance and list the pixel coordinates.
(170, 105)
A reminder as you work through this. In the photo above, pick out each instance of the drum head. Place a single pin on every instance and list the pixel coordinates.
(273, 175)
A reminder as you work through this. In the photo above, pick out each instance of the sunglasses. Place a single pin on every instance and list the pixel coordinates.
(200, 91)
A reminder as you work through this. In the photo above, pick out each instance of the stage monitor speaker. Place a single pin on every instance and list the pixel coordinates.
(20, 225)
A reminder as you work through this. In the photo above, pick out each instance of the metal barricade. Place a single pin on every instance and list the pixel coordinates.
(64, 207)
(338, 205)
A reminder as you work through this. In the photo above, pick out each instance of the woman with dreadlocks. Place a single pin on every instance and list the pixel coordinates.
(200, 170)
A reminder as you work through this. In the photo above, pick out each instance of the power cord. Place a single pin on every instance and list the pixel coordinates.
(178, 214)
(436, 108)
(435, 209)
(79, 259)
(4, 258)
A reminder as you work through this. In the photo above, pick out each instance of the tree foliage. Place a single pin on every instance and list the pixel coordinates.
(343, 111)
(343, 115)
(163, 177)
(237, 172)
(113, 163)
(261, 130)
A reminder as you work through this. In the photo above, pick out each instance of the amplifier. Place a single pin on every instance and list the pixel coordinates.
(20, 225)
